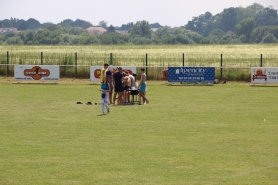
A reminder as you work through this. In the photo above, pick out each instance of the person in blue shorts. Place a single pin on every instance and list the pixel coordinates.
(143, 86)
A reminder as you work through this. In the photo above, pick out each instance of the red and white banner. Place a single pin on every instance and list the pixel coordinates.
(264, 75)
(95, 71)
(39, 72)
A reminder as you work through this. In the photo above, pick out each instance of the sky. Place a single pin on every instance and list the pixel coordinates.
(173, 13)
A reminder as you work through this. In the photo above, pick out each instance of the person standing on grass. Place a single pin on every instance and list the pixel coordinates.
(118, 76)
(105, 89)
(143, 86)
(102, 72)
(109, 78)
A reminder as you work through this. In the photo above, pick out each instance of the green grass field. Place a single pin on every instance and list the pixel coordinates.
(186, 135)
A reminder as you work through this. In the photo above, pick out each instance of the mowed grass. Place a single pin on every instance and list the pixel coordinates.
(186, 135)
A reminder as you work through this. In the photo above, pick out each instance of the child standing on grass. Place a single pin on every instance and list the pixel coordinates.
(105, 89)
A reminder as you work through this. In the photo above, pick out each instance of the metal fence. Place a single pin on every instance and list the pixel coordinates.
(73, 65)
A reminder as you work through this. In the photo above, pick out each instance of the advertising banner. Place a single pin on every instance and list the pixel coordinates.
(39, 72)
(264, 75)
(191, 74)
(95, 71)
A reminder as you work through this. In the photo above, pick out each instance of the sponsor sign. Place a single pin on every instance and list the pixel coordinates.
(263, 75)
(40, 72)
(191, 74)
(95, 71)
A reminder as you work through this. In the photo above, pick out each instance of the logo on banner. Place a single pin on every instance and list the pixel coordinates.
(36, 72)
(98, 71)
(177, 71)
(259, 74)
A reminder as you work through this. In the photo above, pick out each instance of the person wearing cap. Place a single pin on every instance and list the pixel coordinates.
(143, 86)
(118, 85)
(102, 72)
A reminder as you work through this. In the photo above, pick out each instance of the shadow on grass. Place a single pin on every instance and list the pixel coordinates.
(261, 85)
(37, 83)
(101, 114)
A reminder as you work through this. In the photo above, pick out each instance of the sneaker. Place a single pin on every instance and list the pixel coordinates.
(103, 113)
(108, 110)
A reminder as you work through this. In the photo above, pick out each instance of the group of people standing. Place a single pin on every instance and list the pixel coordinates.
(120, 82)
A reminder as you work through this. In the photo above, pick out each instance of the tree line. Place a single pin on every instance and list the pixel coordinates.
(253, 24)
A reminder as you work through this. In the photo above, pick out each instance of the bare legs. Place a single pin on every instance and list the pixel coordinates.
(143, 95)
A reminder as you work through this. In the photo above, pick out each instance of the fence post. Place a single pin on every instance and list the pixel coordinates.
(41, 58)
(8, 62)
(261, 60)
(111, 58)
(183, 59)
(147, 64)
(75, 72)
(221, 62)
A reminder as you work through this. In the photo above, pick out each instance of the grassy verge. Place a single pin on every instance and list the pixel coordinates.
(186, 135)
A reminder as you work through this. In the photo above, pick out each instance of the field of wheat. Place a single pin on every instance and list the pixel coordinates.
(156, 57)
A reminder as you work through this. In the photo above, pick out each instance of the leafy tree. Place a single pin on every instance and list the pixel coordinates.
(66, 22)
(274, 30)
(228, 19)
(195, 37)
(216, 35)
(111, 29)
(180, 31)
(92, 40)
(81, 23)
(55, 40)
(245, 27)
(126, 26)
(105, 39)
(73, 30)
(258, 34)
(29, 37)
(74, 40)
(183, 39)
(6, 23)
(256, 8)
(170, 39)
(14, 40)
(43, 37)
(162, 32)
(156, 25)
(210, 25)
(9, 34)
(244, 13)
(33, 24)
(103, 24)
(267, 17)
(269, 38)
(198, 24)
(205, 41)
(138, 40)
(52, 27)
(22, 26)
(141, 28)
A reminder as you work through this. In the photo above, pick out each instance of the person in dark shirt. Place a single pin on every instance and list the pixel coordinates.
(118, 86)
